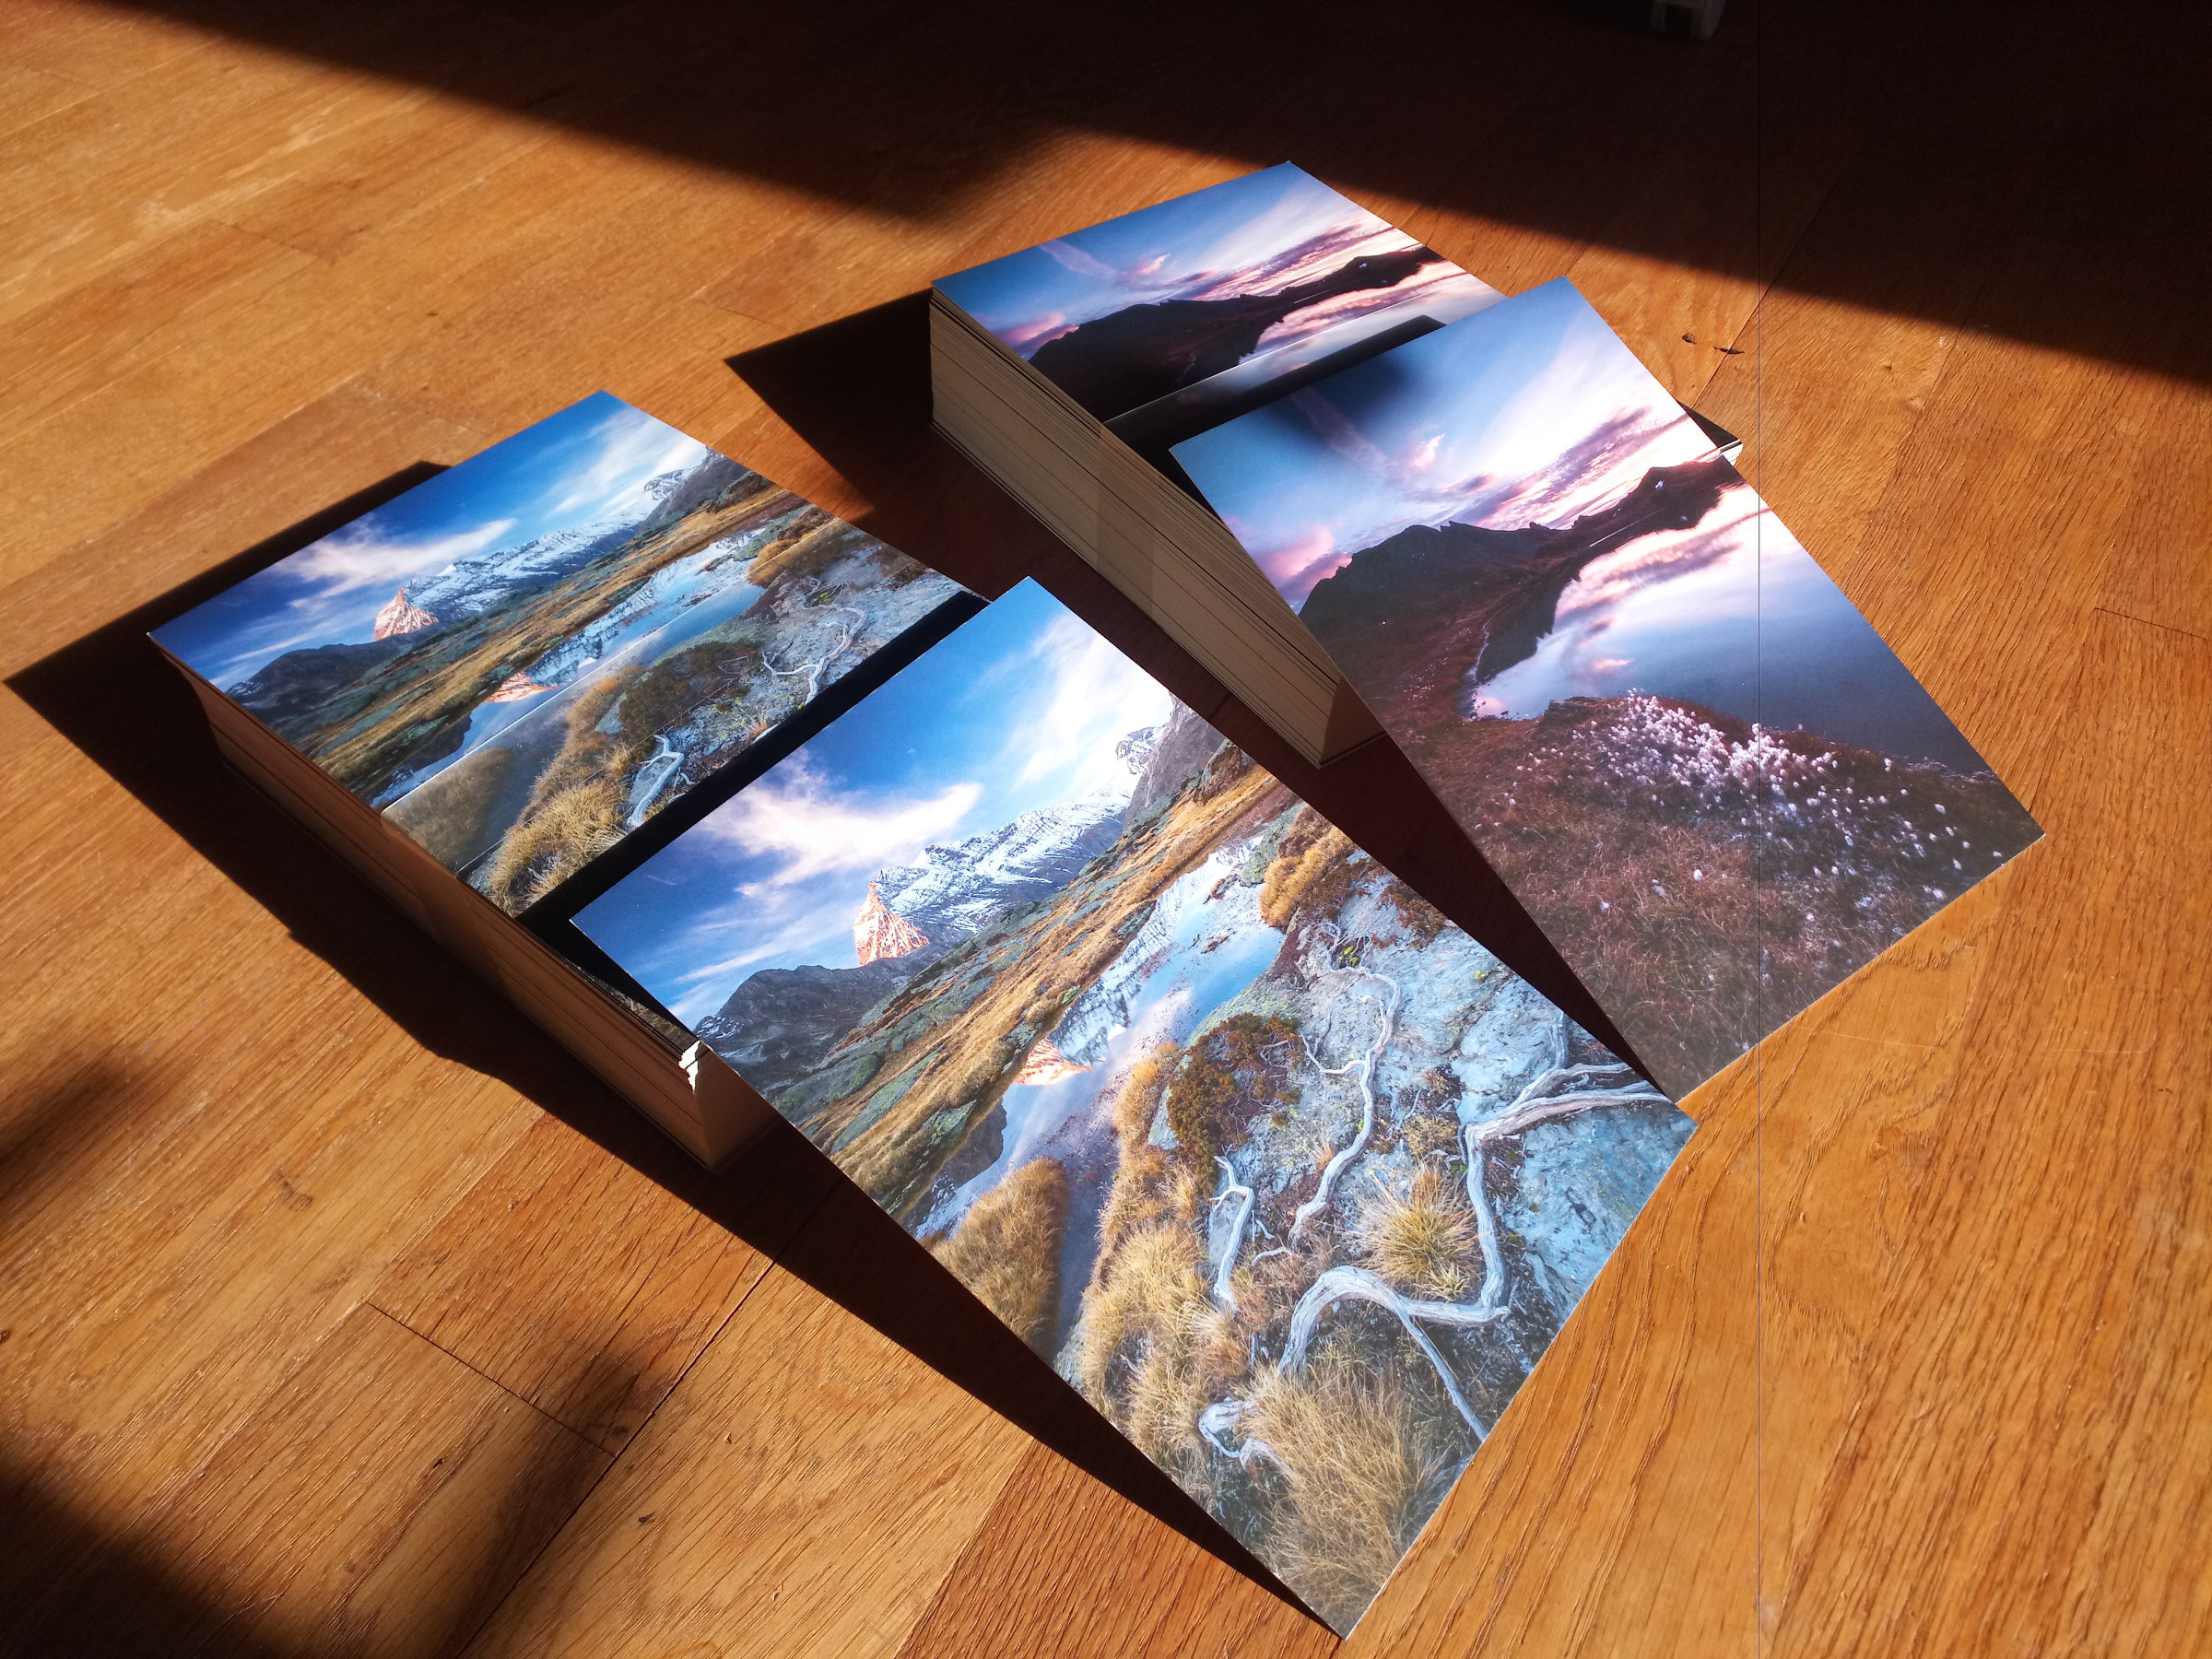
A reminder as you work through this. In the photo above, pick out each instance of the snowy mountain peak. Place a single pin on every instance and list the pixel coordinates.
(399, 616)
(954, 891)
(1136, 747)
(879, 935)
(468, 586)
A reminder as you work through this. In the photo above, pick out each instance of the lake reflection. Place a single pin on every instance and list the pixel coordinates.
(1712, 617)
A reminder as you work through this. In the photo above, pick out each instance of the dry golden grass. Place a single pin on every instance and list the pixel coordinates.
(1359, 1463)
(449, 815)
(575, 811)
(559, 839)
(1420, 1240)
(1155, 1346)
(809, 535)
(1007, 1248)
(1302, 861)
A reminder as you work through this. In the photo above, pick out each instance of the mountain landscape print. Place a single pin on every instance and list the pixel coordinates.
(529, 655)
(1292, 1179)
(1706, 777)
(1155, 321)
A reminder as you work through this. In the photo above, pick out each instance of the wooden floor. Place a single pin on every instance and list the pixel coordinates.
(340, 1313)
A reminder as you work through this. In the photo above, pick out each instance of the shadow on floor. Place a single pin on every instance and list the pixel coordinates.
(2019, 170)
(114, 697)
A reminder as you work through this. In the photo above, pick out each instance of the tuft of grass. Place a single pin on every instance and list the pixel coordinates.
(1361, 1466)
(1006, 1249)
(1420, 1240)
(1312, 849)
(575, 813)
(558, 840)
(1155, 1346)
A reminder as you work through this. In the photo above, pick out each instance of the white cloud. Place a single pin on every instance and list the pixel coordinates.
(816, 832)
(633, 447)
(1089, 696)
(357, 557)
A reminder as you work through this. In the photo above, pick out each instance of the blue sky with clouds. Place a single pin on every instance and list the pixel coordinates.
(1530, 409)
(588, 462)
(1258, 233)
(1020, 709)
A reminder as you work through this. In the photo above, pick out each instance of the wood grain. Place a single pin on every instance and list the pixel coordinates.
(573, 1281)
(805, 1492)
(340, 1313)
(383, 1500)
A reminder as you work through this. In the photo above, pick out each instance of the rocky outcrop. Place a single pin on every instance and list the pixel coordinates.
(1433, 606)
(879, 935)
(777, 1025)
(1180, 748)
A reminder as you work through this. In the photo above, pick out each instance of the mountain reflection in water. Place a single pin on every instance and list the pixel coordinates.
(1713, 617)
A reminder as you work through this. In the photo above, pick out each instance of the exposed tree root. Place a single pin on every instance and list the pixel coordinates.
(1340, 1284)
(1241, 1197)
(1221, 1418)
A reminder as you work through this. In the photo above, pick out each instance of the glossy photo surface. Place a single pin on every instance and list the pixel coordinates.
(1292, 1179)
(524, 658)
(1706, 776)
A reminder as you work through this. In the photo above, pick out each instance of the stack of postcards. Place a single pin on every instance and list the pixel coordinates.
(1291, 1178)
(1371, 493)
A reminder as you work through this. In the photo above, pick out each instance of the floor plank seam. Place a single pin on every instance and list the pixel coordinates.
(645, 1423)
(478, 1370)
(2186, 633)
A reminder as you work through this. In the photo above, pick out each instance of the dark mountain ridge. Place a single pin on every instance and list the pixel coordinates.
(776, 1027)
(1432, 608)
(300, 680)
(1115, 363)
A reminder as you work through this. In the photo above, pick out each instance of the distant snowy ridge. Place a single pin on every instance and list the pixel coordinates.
(956, 889)
(470, 586)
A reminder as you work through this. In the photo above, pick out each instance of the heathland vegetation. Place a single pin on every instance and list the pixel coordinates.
(1331, 1224)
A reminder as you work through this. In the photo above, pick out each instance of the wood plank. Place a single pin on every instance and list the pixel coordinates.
(257, 122)
(1063, 1565)
(94, 464)
(381, 1500)
(580, 1284)
(805, 1492)
(199, 284)
(104, 47)
(1976, 1365)
(218, 1144)
(28, 94)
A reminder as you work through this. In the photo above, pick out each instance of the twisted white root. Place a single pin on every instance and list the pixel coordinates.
(1221, 1418)
(1340, 1284)
(1241, 1196)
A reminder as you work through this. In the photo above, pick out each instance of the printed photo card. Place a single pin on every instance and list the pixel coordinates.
(1292, 1179)
(1699, 769)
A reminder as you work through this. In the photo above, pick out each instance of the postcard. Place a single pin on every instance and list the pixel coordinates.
(524, 658)
(1171, 319)
(1699, 768)
(1292, 1179)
